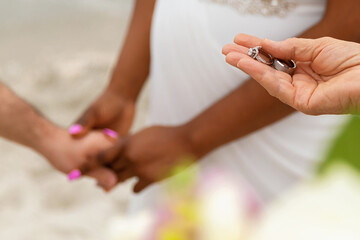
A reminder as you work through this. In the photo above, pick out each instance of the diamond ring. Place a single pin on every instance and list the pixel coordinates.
(260, 55)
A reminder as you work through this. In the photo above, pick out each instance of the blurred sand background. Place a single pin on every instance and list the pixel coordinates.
(58, 55)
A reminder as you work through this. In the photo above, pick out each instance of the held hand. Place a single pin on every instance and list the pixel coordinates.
(151, 155)
(110, 110)
(67, 154)
(326, 80)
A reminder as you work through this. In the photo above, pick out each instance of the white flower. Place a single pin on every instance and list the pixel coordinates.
(327, 208)
(223, 209)
(130, 227)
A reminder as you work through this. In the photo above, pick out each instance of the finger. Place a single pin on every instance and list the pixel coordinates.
(278, 84)
(125, 175)
(120, 164)
(103, 158)
(126, 120)
(141, 185)
(234, 48)
(90, 164)
(110, 155)
(106, 178)
(234, 57)
(83, 125)
(298, 49)
(247, 40)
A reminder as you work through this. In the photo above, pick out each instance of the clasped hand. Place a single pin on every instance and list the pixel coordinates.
(150, 155)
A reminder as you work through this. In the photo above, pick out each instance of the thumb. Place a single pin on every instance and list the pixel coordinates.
(83, 125)
(298, 49)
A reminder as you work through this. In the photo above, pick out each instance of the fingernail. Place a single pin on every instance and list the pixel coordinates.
(76, 128)
(74, 174)
(110, 133)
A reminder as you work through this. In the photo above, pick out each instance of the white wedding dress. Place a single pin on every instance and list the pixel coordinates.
(189, 74)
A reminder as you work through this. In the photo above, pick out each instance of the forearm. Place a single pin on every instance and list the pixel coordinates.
(243, 111)
(21, 123)
(329, 29)
(133, 65)
(250, 107)
(340, 21)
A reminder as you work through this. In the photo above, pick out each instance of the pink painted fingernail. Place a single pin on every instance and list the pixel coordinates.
(74, 174)
(76, 128)
(110, 133)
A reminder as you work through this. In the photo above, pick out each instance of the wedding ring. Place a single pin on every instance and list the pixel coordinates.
(253, 52)
(260, 55)
(287, 66)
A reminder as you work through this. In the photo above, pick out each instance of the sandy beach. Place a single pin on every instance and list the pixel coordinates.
(58, 55)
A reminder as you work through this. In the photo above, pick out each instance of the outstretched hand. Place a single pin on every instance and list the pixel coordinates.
(326, 79)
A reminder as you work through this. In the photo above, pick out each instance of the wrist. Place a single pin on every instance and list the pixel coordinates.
(128, 87)
(193, 136)
(47, 143)
(123, 92)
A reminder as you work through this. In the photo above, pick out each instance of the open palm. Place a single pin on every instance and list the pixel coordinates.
(325, 80)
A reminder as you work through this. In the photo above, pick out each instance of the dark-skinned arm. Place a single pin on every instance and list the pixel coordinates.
(133, 65)
(115, 107)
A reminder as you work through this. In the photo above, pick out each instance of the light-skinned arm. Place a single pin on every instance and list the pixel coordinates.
(23, 124)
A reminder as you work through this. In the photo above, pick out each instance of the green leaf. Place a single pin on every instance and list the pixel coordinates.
(345, 148)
